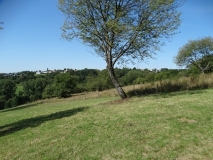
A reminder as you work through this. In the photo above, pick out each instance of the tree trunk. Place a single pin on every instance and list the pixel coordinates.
(116, 83)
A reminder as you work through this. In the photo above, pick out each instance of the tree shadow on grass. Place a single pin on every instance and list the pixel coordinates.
(21, 107)
(179, 93)
(36, 121)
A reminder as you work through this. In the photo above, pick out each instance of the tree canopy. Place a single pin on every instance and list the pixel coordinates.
(7, 89)
(121, 30)
(198, 53)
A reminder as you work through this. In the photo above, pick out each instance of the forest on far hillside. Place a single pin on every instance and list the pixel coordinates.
(27, 86)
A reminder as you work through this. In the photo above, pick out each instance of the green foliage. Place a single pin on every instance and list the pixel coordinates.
(91, 80)
(136, 27)
(98, 82)
(64, 85)
(50, 77)
(198, 53)
(7, 89)
(7, 104)
(13, 102)
(104, 80)
(21, 98)
(2, 101)
(120, 31)
(24, 76)
(130, 77)
(49, 91)
(34, 88)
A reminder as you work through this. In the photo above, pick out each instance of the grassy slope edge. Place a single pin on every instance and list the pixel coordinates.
(160, 126)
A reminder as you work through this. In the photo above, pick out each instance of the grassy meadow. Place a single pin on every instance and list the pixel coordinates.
(169, 126)
(19, 88)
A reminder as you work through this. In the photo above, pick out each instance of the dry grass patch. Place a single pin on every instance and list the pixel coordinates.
(187, 120)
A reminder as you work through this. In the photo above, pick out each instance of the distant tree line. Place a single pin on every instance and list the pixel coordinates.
(63, 85)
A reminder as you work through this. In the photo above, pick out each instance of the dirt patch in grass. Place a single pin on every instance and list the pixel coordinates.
(187, 120)
(118, 101)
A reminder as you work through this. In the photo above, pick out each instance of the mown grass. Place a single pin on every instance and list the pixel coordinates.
(175, 125)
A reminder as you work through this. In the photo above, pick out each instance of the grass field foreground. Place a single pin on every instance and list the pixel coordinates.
(160, 126)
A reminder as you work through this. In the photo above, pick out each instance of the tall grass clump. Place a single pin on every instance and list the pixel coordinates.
(181, 84)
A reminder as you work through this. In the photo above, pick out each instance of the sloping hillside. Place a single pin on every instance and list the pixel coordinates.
(160, 126)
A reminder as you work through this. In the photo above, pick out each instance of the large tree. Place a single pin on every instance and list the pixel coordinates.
(121, 30)
(198, 53)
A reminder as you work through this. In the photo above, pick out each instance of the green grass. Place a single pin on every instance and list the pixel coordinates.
(19, 88)
(160, 126)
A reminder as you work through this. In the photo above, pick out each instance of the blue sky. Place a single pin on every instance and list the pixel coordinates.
(31, 38)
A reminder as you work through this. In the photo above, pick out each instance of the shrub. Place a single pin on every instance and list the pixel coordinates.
(49, 92)
(14, 102)
(7, 104)
(7, 89)
(64, 85)
(34, 88)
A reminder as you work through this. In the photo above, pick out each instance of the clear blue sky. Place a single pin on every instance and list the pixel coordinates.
(31, 38)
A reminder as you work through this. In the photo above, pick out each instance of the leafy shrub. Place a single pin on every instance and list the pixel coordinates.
(8, 104)
(64, 85)
(7, 89)
(2, 102)
(14, 102)
(34, 88)
(49, 91)
(21, 98)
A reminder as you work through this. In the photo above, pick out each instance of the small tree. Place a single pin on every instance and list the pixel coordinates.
(49, 91)
(64, 85)
(198, 53)
(120, 30)
(34, 88)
